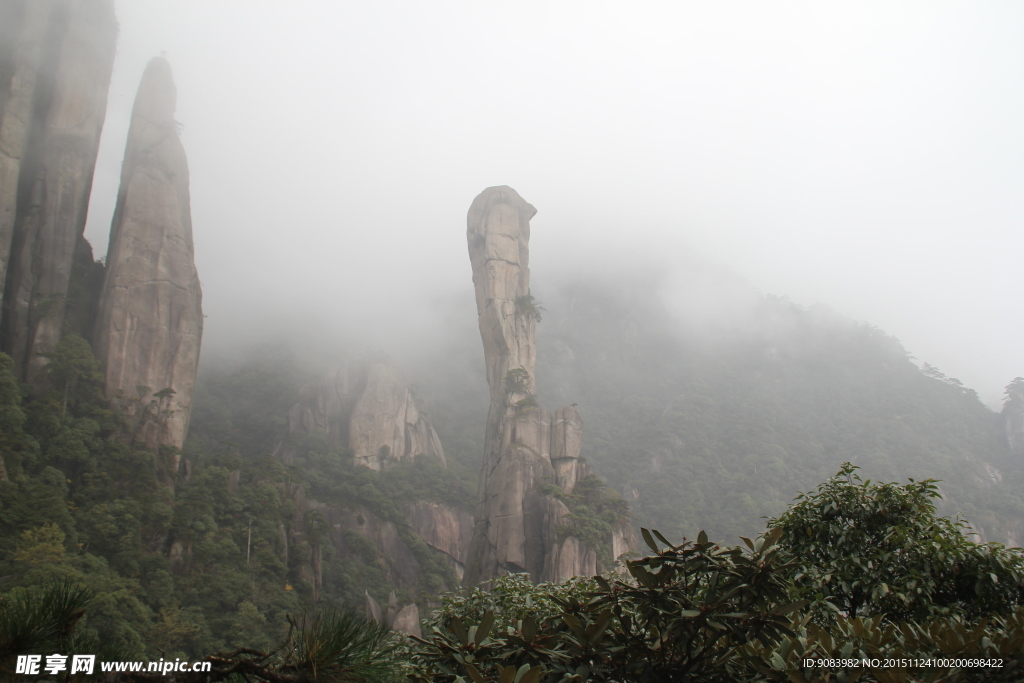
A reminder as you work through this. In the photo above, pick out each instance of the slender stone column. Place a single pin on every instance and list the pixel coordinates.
(150, 320)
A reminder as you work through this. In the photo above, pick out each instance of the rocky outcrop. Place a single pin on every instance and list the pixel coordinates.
(324, 407)
(150, 319)
(525, 447)
(53, 107)
(443, 528)
(407, 620)
(370, 411)
(402, 619)
(1013, 415)
(386, 425)
(24, 28)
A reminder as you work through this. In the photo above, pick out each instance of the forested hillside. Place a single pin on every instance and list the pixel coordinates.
(712, 413)
(715, 428)
(213, 564)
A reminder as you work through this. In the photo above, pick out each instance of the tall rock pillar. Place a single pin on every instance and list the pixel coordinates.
(24, 30)
(525, 447)
(150, 319)
(53, 106)
(1013, 415)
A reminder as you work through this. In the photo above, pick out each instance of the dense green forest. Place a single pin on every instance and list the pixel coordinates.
(206, 568)
(855, 581)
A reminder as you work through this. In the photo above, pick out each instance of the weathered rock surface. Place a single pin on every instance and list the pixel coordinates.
(402, 619)
(24, 28)
(372, 607)
(443, 528)
(150, 319)
(407, 621)
(52, 114)
(324, 406)
(1013, 416)
(525, 447)
(370, 411)
(386, 425)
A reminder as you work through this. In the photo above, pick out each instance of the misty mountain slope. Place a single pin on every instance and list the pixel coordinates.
(711, 422)
(330, 530)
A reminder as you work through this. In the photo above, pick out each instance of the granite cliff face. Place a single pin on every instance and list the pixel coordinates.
(386, 424)
(143, 311)
(150, 319)
(443, 528)
(57, 58)
(23, 45)
(1013, 416)
(324, 407)
(525, 447)
(370, 411)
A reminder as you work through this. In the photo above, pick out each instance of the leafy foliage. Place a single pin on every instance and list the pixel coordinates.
(41, 620)
(527, 304)
(706, 612)
(517, 381)
(337, 646)
(684, 612)
(878, 549)
(594, 512)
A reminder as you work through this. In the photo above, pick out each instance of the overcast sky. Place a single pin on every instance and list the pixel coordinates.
(865, 155)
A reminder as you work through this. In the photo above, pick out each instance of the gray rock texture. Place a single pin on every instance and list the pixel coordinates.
(386, 425)
(525, 447)
(324, 407)
(443, 528)
(24, 29)
(407, 621)
(1013, 416)
(402, 619)
(370, 411)
(150, 319)
(53, 108)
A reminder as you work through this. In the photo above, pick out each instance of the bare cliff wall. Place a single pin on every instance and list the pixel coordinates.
(56, 57)
(1013, 416)
(150, 320)
(369, 410)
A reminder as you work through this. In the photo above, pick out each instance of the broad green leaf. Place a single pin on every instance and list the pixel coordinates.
(485, 627)
(473, 673)
(649, 540)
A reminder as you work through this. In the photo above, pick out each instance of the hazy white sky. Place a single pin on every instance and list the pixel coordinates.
(868, 155)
